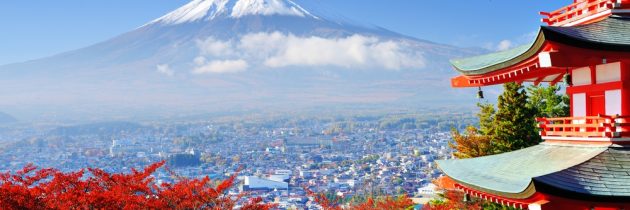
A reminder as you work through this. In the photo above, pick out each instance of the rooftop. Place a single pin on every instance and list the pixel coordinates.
(587, 171)
(610, 33)
(607, 174)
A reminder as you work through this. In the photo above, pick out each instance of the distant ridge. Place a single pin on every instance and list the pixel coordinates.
(6, 118)
(100, 128)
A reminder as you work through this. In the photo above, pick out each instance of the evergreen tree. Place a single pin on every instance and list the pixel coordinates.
(486, 118)
(476, 142)
(546, 101)
(514, 122)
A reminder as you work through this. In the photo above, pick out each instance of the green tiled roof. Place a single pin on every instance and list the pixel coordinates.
(511, 174)
(609, 34)
(496, 61)
(483, 61)
(606, 175)
(612, 31)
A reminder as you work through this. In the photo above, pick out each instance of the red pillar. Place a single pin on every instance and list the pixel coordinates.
(625, 91)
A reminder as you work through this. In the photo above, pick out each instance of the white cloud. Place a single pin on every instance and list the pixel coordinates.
(277, 50)
(213, 47)
(263, 44)
(200, 61)
(528, 37)
(507, 44)
(355, 51)
(504, 45)
(222, 66)
(165, 69)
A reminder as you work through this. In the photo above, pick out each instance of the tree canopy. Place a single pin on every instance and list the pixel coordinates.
(514, 122)
(546, 102)
(511, 125)
(93, 188)
(33, 188)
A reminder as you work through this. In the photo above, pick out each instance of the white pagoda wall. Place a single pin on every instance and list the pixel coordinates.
(593, 81)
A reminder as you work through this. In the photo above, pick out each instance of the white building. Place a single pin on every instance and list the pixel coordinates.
(251, 183)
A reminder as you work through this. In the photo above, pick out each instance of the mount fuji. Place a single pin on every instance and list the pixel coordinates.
(232, 55)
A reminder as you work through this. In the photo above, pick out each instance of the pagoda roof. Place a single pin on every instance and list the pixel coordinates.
(609, 34)
(512, 174)
(604, 176)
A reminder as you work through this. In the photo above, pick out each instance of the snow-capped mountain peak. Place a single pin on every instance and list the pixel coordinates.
(200, 10)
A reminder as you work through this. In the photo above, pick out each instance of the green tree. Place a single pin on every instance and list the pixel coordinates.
(514, 122)
(476, 142)
(546, 102)
(486, 118)
(471, 144)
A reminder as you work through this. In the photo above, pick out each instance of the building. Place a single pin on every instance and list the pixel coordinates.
(584, 162)
(254, 183)
(187, 159)
(120, 148)
(428, 191)
(281, 176)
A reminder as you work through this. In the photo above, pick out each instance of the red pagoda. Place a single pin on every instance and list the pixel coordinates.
(584, 161)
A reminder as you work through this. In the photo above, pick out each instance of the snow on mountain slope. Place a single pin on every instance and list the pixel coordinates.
(268, 7)
(200, 10)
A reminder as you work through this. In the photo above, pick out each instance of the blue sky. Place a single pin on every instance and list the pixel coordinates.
(36, 29)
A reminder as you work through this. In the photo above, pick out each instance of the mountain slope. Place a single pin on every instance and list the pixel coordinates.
(228, 55)
(5, 118)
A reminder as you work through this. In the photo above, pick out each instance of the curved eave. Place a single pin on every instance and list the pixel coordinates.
(528, 192)
(500, 60)
(511, 175)
(609, 34)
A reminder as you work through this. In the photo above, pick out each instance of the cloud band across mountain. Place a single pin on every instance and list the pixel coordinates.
(278, 50)
(220, 66)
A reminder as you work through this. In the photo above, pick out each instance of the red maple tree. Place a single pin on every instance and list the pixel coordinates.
(385, 203)
(93, 188)
(451, 198)
(33, 188)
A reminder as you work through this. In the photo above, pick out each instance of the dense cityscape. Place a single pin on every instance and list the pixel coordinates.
(278, 159)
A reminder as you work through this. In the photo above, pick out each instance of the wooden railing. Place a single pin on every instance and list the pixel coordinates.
(576, 11)
(585, 127)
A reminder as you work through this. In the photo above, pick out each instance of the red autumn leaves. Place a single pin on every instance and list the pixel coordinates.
(386, 203)
(32, 188)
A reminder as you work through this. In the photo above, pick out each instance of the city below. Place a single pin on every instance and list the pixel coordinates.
(277, 159)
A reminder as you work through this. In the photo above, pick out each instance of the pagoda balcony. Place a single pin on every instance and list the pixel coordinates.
(581, 11)
(600, 128)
